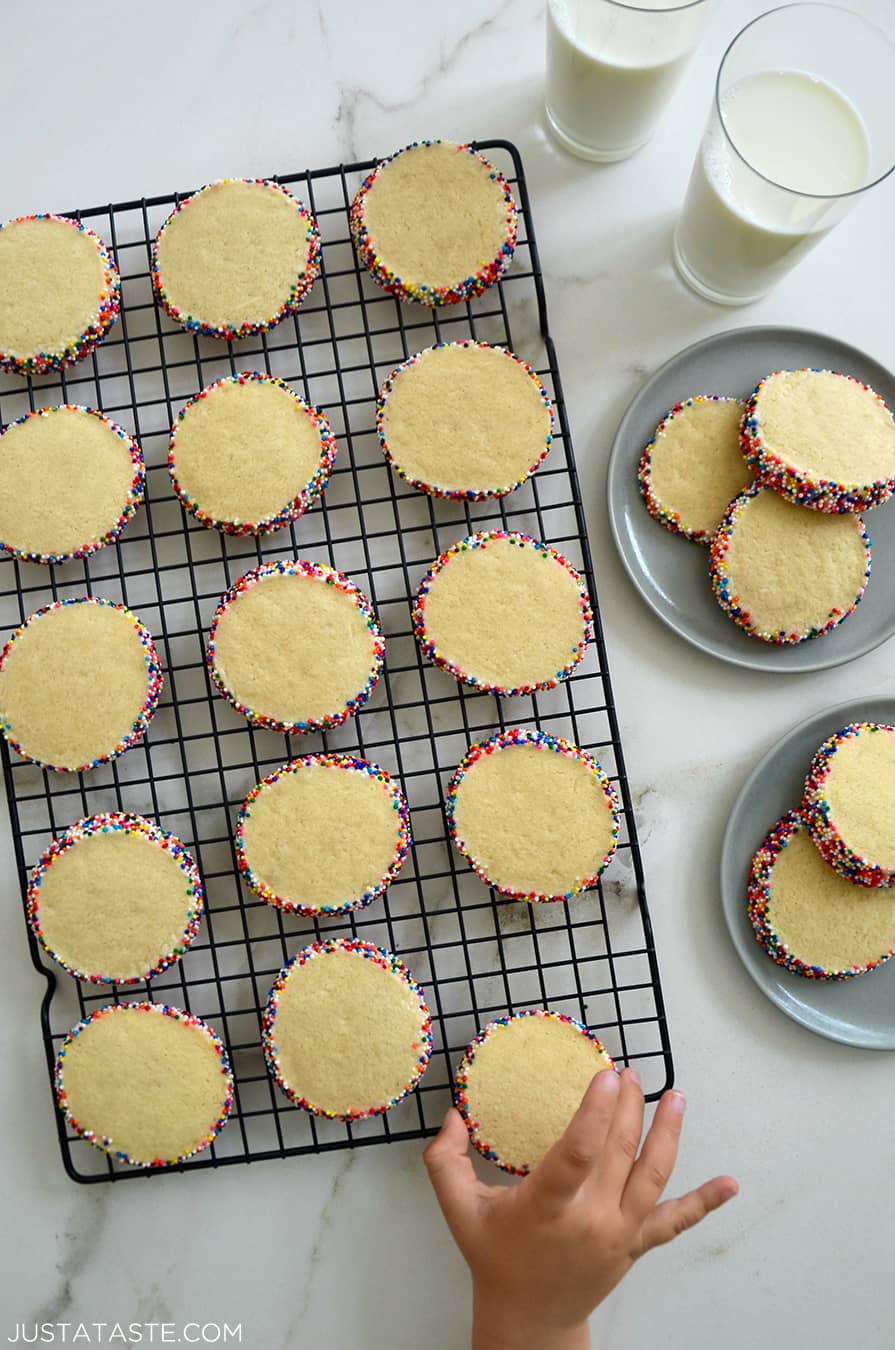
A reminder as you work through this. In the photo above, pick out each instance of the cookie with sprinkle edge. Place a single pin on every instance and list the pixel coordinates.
(504, 613)
(810, 919)
(692, 467)
(849, 802)
(805, 433)
(148, 1083)
(323, 834)
(346, 1032)
(521, 1081)
(568, 805)
(464, 420)
(784, 574)
(224, 289)
(60, 293)
(73, 479)
(434, 222)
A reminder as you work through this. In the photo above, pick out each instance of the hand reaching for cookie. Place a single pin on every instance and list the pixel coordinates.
(544, 1253)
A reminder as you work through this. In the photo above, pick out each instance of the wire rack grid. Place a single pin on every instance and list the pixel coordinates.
(476, 955)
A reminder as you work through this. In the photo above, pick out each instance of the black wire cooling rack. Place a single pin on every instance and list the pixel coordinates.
(477, 956)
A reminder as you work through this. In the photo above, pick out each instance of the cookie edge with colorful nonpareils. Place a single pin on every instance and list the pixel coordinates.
(153, 679)
(134, 499)
(388, 962)
(163, 1010)
(664, 515)
(461, 1077)
(481, 540)
(817, 815)
(463, 289)
(40, 363)
(758, 905)
(327, 576)
(797, 486)
(298, 289)
(721, 583)
(349, 762)
(504, 740)
(127, 823)
(303, 500)
(460, 494)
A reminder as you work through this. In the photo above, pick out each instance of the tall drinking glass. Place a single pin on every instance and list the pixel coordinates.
(802, 126)
(612, 67)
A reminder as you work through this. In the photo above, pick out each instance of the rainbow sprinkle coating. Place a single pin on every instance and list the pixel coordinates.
(125, 823)
(542, 741)
(297, 291)
(818, 815)
(388, 962)
(461, 1078)
(663, 514)
(297, 567)
(134, 496)
(481, 541)
(459, 494)
(153, 679)
(159, 1010)
(464, 288)
(349, 763)
(303, 499)
(822, 494)
(109, 303)
(729, 600)
(758, 901)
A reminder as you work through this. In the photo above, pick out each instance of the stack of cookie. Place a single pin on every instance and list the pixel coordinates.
(820, 895)
(775, 487)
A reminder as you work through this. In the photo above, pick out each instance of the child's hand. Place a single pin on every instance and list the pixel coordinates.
(544, 1253)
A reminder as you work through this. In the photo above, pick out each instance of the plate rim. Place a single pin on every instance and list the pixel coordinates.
(850, 706)
(613, 473)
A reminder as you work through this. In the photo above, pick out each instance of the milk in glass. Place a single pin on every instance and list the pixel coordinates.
(761, 189)
(611, 69)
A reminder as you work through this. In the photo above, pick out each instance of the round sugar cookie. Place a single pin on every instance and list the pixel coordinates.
(60, 293)
(533, 815)
(808, 917)
(821, 439)
(323, 834)
(79, 683)
(435, 222)
(115, 899)
(346, 1031)
(235, 258)
(295, 646)
(503, 612)
(849, 802)
(785, 574)
(247, 455)
(72, 479)
(520, 1083)
(693, 466)
(464, 420)
(146, 1082)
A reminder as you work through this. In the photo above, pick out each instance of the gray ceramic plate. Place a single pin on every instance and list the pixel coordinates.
(860, 1011)
(670, 572)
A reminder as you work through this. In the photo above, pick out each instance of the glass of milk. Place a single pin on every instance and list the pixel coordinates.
(802, 125)
(612, 67)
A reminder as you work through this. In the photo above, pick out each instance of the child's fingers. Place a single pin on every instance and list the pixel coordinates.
(623, 1140)
(451, 1171)
(652, 1170)
(674, 1217)
(572, 1158)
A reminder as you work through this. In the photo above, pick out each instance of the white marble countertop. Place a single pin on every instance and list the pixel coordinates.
(348, 1250)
